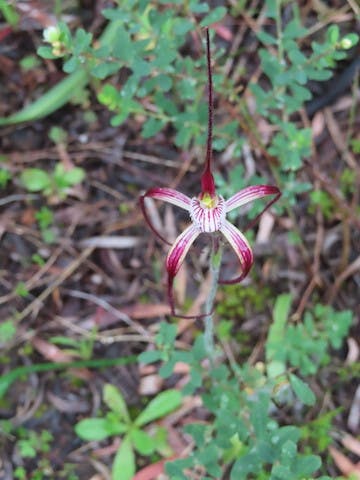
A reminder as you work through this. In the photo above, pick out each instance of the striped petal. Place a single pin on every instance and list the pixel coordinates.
(176, 257)
(171, 196)
(242, 249)
(167, 195)
(251, 193)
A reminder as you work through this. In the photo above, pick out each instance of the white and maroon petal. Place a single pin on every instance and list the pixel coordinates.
(207, 219)
(180, 248)
(167, 195)
(251, 193)
(242, 249)
(171, 196)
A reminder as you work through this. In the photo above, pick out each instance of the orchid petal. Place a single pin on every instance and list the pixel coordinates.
(167, 195)
(251, 193)
(241, 247)
(176, 257)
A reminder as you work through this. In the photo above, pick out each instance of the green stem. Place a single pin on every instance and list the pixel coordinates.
(215, 263)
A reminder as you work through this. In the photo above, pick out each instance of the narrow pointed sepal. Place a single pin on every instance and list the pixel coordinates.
(168, 195)
(242, 249)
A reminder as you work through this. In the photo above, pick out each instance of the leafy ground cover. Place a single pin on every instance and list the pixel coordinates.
(100, 101)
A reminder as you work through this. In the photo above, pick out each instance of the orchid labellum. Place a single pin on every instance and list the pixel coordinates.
(208, 210)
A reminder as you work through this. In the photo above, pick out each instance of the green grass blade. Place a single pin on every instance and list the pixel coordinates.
(9, 378)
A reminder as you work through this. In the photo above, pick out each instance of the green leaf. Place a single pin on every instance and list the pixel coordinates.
(214, 16)
(294, 29)
(142, 442)
(45, 52)
(305, 465)
(123, 47)
(302, 390)
(266, 38)
(197, 7)
(151, 127)
(164, 82)
(109, 96)
(71, 65)
(115, 401)
(150, 356)
(82, 40)
(333, 34)
(124, 462)
(35, 179)
(248, 463)
(167, 334)
(104, 70)
(182, 26)
(160, 406)
(259, 415)
(296, 56)
(74, 176)
(93, 429)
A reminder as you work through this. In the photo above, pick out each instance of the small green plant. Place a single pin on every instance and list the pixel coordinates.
(37, 259)
(304, 345)
(237, 301)
(21, 290)
(243, 399)
(320, 198)
(31, 442)
(7, 331)
(316, 435)
(45, 219)
(58, 135)
(79, 348)
(288, 71)
(56, 183)
(119, 422)
(29, 62)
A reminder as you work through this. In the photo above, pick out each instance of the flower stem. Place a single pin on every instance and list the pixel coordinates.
(215, 263)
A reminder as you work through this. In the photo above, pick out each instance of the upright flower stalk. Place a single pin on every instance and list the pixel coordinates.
(208, 212)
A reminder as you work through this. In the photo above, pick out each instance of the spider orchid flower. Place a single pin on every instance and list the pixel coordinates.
(208, 213)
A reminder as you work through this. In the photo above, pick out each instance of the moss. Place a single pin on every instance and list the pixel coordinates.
(238, 301)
